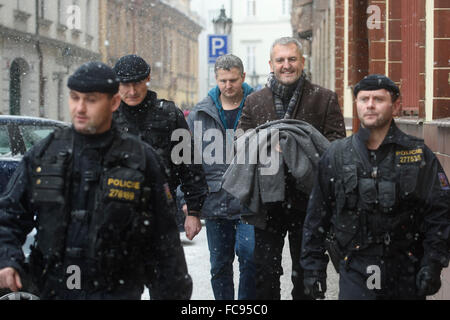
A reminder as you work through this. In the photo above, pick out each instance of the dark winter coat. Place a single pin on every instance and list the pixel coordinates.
(154, 121)
(391, 204)
(317, 106)
(98, 202)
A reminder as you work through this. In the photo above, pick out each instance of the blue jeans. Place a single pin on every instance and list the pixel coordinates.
(225, 238)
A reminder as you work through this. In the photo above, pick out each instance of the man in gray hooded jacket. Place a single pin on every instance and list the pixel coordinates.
(213, 122)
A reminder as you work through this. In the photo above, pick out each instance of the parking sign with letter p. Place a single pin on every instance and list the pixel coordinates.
(217, 46)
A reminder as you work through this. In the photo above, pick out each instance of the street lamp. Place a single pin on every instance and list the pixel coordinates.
(222, 25)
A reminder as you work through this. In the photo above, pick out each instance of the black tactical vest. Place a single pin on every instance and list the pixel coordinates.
(121, 201)
(154, 125)
(377, 205)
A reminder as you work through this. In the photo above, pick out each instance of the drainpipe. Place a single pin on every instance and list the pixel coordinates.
(41, 63)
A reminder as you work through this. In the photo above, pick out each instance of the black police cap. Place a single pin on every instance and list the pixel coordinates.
(132, 68)
(376, 82)
(94, 76)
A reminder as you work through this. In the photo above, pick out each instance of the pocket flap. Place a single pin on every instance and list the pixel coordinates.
(386, 193)
(367, 190)
(408, 179)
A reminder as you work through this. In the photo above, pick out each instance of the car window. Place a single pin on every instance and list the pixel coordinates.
(32, 134)
(5, 147)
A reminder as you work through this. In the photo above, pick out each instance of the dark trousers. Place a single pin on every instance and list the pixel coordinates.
(281, 219)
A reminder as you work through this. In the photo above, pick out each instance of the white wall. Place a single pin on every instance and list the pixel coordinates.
(258, 31)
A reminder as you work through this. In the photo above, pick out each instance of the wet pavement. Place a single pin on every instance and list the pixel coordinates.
(197, 258)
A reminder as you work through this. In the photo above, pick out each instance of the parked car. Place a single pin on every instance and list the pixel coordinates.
(17, 135)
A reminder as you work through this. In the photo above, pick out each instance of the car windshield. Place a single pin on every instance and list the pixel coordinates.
(32, 134)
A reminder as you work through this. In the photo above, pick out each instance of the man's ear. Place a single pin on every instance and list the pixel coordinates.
(397, 107)
(270, 64)
(115, 102)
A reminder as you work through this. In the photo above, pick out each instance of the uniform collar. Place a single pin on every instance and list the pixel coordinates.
(393, 136)
(149, 101)
(94, 140)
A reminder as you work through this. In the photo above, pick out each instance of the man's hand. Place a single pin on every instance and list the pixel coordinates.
(315, 283)
(10, 278)
(428, 280)
(192, 225)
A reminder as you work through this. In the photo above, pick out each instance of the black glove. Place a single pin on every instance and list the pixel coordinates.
(315, 283)
(428, 280)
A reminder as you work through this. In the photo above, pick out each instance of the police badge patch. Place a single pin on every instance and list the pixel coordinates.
(443, 181)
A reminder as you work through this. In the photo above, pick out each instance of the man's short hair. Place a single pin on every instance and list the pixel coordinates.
(284, 41)
(227, 62)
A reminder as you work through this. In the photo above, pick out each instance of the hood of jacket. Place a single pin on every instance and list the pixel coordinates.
(214, 94)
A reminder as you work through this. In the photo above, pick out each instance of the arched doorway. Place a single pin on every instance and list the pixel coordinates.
(18, 70)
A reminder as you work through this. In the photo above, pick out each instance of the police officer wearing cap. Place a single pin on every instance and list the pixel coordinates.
(380, 207)
(141, 113)
(97, 199)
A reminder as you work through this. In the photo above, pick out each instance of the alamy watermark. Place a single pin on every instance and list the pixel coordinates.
(73, 17)
(374, 20)
(374, 280)
(74, 280)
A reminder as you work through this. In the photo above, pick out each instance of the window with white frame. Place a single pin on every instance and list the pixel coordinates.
(251, 59)
(251, 8)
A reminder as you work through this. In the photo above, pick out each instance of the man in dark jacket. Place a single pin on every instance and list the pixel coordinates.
(288, 95)
(154, 120)
(100, 204)
(218, 114)
(381, 202)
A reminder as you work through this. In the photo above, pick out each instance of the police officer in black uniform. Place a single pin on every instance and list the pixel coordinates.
(380, 206)
(153, 120)
(100, 203)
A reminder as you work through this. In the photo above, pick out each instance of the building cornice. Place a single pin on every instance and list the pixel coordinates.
(33, 39)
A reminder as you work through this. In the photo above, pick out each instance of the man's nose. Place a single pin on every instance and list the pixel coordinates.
(286, 64)
(371, 103)
(81, 106)
(132, 90)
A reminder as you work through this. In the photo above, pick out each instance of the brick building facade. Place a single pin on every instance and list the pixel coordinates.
(164, 34)
(408, 40)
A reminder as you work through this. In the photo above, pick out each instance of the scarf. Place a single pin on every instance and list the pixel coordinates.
(285, 97)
